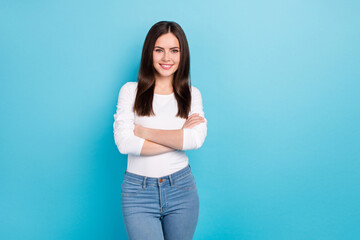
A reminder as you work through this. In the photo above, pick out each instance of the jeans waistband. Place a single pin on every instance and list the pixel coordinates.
(155, 181)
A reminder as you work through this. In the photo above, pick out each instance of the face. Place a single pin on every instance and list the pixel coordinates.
(166, 55)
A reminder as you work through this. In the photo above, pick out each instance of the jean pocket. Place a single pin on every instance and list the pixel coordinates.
(185, 183)
(129, 188)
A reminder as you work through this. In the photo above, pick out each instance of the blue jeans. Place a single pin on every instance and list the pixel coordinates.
(160, 208)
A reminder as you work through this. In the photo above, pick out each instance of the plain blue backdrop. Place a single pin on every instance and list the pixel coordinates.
(280, 86)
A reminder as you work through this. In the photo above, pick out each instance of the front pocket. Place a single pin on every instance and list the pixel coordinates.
(185, 183)
(130, 188)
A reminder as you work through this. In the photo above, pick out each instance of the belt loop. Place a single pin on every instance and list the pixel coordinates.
(144, 182)
(171, 182)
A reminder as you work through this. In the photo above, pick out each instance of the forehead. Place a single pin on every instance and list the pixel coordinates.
(167, 40)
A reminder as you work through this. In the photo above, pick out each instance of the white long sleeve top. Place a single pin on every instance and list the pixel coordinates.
(165, 109)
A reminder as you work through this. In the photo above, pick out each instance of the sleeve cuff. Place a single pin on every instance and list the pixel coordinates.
(187, 139)
(137, 144)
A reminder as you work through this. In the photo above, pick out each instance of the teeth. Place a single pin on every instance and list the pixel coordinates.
(165, 65)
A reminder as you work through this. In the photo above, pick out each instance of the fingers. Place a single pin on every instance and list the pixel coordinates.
(195, 116)
(192, 124)
(193, 120)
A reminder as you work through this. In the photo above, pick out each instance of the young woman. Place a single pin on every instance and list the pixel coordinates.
(157, 119)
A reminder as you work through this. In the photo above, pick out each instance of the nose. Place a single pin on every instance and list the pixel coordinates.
(166, 56)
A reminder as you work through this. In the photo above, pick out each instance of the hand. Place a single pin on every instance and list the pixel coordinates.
(193, 120)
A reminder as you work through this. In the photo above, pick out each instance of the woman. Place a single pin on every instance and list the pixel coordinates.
(157, 119)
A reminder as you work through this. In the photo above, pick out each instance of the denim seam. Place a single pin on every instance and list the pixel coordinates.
(136, 182)
(140, 183)
(130, 194)
(182, 177)
(188, 188)
(166, 202)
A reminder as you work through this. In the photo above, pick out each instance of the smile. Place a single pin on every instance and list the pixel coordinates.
(166, 66)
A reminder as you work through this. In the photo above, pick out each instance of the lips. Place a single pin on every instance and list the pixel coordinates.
(166, 66)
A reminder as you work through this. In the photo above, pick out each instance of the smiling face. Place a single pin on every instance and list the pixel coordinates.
(166, 56)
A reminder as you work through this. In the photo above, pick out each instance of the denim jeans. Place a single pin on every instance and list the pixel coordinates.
(160, 208)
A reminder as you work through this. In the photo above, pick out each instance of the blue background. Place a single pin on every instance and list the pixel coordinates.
(280, 87)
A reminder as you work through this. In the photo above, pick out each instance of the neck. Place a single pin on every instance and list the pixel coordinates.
(163, 85)
(163, 82)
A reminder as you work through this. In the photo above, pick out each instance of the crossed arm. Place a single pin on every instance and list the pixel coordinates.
(134, 139)
(161, 141)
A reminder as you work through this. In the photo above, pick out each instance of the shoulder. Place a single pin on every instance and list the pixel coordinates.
(130, 85)
(129, 88)
(195, 92)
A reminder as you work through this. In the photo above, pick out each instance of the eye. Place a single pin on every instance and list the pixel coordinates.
(158, 50)
(175, 51)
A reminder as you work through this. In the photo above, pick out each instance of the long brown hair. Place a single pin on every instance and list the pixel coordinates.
(146, 76)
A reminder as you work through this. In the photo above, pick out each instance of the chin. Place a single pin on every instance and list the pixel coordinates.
(165, 74)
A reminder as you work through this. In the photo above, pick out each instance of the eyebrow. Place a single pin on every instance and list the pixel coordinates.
(163, 48)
